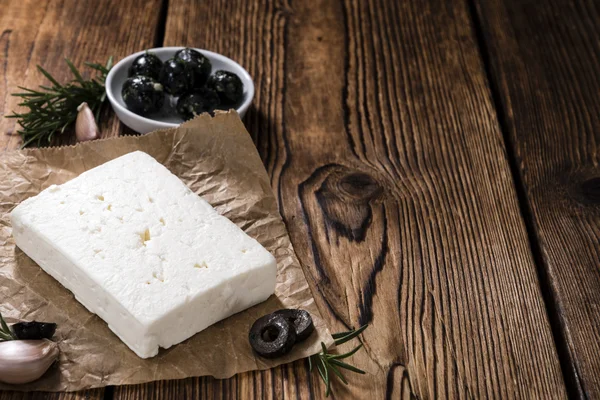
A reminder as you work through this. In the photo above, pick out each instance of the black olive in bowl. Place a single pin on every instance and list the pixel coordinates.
(272, 336)
(199, 64)
(143, 95)
(177, 77)
(228, 86)
(146, 64)
(192, 104)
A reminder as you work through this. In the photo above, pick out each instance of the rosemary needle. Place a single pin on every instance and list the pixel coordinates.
(53, 109)
(326, 362)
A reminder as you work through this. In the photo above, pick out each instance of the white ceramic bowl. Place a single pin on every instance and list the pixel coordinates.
(167, 117)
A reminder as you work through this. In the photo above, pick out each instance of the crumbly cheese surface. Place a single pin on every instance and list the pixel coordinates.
(137, 247)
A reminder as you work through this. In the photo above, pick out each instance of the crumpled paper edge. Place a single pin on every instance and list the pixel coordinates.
(261, 174)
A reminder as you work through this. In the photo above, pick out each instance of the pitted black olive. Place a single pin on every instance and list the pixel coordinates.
(143, 95)
(228, 86)
(198, 63)
(272, 336)
(300, 320)
(34, 330)
(147, 64)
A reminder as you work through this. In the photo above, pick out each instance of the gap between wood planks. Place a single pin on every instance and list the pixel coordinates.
(572, 383)
(109, 392)
(159, 35)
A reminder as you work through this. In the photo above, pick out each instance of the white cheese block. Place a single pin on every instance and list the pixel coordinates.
(138, 248)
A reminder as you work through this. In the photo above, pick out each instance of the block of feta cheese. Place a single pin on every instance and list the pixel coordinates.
(138, 248)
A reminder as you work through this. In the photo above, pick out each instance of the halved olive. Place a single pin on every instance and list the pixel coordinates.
(300, 320)
(34, 330)
(272, 336)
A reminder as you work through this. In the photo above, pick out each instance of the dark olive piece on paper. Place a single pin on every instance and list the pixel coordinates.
(34, 330)
(192, 104)
(198, 63)
(177, 77)
(300, 320)
(147, 64)
(272, 336)
(228, 86)
(143, 95)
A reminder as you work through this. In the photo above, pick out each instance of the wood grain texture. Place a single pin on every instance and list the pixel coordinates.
(545, 58)
(290, 379)
(45, 32)
(375, 122)
(97, 394)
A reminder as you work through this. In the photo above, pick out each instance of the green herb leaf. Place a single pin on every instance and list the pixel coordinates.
(74, 71)
(326, 362)
(49, 77)
(350, 335)
(326, 378)
(53, 109)
(338, 373)
(323, 376)
(342, 334)
(349, 367)
(346, 355)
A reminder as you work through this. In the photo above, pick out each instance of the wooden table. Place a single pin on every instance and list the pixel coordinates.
(436, 163)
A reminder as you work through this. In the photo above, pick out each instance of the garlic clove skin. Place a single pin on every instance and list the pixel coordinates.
(85, 125)
(24, 361)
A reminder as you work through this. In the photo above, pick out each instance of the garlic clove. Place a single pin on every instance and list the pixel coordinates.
(23, 361)
(85, 125)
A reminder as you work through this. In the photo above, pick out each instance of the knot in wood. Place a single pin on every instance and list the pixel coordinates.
(360, 187)
(346, 196)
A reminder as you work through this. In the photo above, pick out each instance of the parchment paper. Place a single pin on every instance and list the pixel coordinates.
(217, 159)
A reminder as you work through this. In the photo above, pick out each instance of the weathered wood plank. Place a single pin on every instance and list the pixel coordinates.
(375, 122)
(45, 32)
(97, 394)
(545, 58)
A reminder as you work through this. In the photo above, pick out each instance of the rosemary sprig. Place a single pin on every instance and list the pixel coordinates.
(53, 109)
(327, 362)
(5, 332)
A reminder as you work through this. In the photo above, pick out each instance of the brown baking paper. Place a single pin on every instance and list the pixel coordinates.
(217, 159)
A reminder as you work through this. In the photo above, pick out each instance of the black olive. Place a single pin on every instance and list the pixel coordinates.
(272, 336)
(177, 77)
(228, 85)
(192, 104)
(143, 95)
(300, 320)
(34, 330)
(199, 64)
(147, 64)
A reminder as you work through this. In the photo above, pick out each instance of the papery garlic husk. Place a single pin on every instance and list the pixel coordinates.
(24, 361)
(85, 125)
